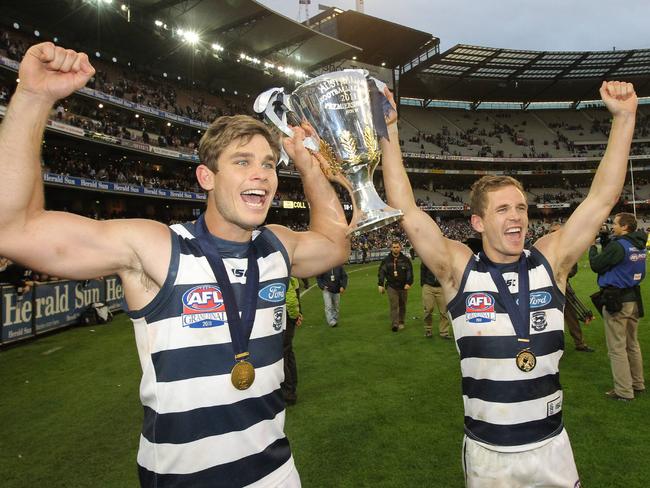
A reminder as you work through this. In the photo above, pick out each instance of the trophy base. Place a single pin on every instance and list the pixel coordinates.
(375, 219)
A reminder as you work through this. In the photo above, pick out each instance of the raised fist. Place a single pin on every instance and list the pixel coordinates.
(619, 97)
(51, 72)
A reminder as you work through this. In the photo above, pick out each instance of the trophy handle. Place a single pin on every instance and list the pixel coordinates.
(274, 105)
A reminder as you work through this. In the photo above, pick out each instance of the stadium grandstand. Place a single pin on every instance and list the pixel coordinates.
(126, 145)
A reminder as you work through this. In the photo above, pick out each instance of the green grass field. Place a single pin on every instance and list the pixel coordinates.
(375, 408)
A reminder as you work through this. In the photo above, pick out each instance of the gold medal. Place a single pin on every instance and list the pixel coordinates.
(242, 375)
(526, 360)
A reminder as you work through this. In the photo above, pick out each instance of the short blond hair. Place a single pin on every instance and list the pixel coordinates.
(486, 184)
(229, 128)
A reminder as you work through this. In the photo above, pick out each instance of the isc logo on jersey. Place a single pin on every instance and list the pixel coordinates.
(479, 308)
(203, 307)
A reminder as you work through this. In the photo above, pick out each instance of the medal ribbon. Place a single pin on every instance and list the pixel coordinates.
(519, 315)
(240, 325)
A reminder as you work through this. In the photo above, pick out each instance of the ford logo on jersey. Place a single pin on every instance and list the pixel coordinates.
(203, 307)
(273, 293)
(479, 308)
(539, 299)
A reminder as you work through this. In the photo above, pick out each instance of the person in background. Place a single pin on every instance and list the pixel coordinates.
(333, 284)
(396, 276)
(432, 296)
(621, 267)
(294, 320)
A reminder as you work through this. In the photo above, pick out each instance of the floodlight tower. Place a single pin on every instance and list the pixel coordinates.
(303, 11)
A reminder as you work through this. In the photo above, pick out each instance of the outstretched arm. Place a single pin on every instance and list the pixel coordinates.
(564, 247)
(325, 245)
(56, 243)
(445, 257)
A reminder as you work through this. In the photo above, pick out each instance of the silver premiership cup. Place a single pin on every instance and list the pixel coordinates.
(338, 106)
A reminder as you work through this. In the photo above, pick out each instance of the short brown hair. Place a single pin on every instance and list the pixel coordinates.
(229, 128)
(488, 183)
(626, 219)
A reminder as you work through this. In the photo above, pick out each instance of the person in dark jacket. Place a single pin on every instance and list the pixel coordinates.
(396, 275)
(332, 283)
(432, 295)
(621, 268)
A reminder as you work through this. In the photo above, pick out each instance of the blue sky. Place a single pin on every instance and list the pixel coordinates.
(551, 25)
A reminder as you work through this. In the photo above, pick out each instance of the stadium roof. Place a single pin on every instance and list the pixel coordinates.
(246, 24)
(490, 74)
(382, 41)
(239, 26)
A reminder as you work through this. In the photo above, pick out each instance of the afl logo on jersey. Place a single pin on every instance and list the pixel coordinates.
(273, 293)
(479, 308)
(203, 307)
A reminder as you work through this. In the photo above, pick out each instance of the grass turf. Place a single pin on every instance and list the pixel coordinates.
(375, 408)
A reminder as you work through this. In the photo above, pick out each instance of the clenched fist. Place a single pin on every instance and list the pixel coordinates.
(51, 72)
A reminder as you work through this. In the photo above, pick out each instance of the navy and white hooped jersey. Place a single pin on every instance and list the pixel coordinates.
(507, 409)
(198, 429)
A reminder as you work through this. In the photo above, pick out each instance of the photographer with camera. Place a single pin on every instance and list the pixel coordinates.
(621, 268)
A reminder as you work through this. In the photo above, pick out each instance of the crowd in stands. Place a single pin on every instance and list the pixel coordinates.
(492, 134)
(486, 136)
(70, 161)
(21, 278)
(124, 125)
(145, 89)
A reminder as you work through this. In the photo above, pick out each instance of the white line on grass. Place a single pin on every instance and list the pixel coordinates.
(353, 271)
(50, 351)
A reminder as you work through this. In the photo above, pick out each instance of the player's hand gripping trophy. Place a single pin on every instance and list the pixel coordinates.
(345, 110)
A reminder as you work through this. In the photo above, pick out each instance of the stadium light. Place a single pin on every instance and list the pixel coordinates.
(159, 23)
(217, 47)
(384, 63)
(114, 59)
(137, 116)
(98, 54)
(37, 33)
(192, 37)
(101, 105)
(16, 25)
